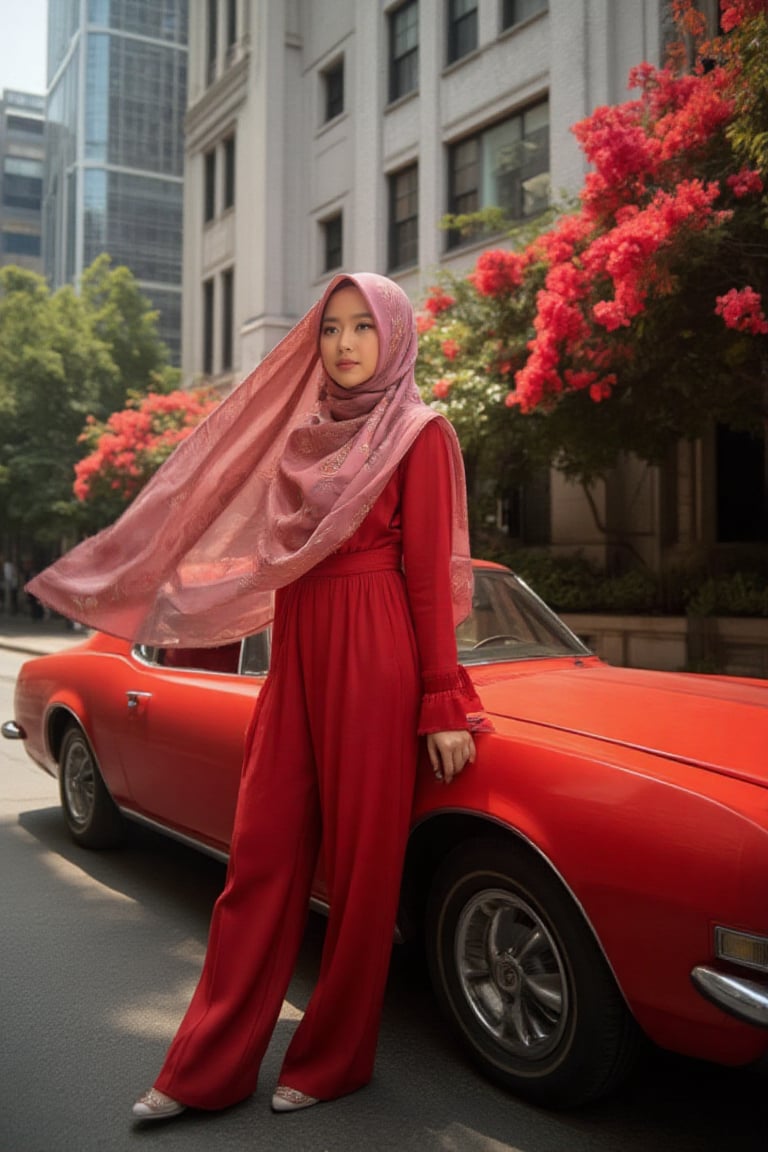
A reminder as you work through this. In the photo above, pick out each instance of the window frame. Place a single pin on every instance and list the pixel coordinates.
(208, 326)
(457, 24)
(209, 185)
(397, 85)
(510, 18)
(231, 24)
(471, 199)
(398, 225)
(227, 319)
(333, 90)
(327, 224)
(230, 170)
(212, 40)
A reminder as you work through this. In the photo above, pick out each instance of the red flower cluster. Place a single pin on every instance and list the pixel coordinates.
(745, 183)
(742, 310)
(640, 200)
(136, 440)
(735, 12)
(441, 388)
(498, 272)
(438, 301)
(424, 323)
(450, 349)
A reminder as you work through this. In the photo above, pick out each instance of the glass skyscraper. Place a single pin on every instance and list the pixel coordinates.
(117, 86)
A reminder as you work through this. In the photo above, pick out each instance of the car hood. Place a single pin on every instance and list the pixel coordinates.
(718, 723)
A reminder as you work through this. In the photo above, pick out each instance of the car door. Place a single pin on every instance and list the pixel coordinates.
(186, 716)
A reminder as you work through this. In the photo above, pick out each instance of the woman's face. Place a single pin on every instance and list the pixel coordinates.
(349, 342)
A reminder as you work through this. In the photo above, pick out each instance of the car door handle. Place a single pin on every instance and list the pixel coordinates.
(136, 699)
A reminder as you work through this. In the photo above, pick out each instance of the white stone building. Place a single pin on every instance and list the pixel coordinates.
(324, 135)
(328, 134)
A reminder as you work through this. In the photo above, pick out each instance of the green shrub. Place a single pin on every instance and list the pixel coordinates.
(572, 583)
(740, 594)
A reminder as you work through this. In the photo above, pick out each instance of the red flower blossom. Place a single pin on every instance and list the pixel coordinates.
(438, 301)
(135, 441)
(441, 388)
(498, 271)
(735, 12)
(745, 183)
(424, 323)
(450, 349)
(742, 311)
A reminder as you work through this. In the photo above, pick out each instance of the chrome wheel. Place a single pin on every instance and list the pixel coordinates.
(511, 973)
(92, 816)
(521, 977)
(78, 782)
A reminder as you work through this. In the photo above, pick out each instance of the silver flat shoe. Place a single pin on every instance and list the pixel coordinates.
(154, 1105)
(288, 1099)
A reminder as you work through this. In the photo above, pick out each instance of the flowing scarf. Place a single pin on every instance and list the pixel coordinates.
(275, 479)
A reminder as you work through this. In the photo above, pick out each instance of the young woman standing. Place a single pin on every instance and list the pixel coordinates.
(358, 524)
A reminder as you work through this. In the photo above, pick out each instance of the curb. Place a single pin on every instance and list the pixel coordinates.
(25, 650)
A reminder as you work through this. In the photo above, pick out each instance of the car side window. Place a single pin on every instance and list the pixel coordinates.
(255, 660)
(225, 658)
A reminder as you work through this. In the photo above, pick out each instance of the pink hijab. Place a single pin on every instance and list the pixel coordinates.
(274, 480)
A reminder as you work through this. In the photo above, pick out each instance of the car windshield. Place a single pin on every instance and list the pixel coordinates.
(510, 622)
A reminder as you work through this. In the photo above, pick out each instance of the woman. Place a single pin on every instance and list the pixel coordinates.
(359, 524)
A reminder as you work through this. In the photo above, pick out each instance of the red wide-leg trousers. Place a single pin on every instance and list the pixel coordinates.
(330, 767)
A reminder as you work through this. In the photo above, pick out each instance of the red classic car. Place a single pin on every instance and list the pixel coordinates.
(598, 874)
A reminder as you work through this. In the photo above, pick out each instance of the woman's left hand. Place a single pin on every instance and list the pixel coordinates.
(449, 752)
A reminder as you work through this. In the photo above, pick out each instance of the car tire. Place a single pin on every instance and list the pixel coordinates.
(521, 978)
(91, 814)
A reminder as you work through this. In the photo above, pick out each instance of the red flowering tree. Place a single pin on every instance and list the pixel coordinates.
(640, 317)
(127, 448)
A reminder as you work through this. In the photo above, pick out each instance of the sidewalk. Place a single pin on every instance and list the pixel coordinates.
(38, 637)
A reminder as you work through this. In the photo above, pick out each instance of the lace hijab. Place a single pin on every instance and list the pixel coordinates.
(280, 474)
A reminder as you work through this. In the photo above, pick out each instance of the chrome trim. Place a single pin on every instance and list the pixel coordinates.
(182, 837)
(745, 999)
(12, 731)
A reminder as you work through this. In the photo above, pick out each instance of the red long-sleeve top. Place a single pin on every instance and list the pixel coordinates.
(414, 511)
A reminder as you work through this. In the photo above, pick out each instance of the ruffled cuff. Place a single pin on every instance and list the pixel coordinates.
(450, 703)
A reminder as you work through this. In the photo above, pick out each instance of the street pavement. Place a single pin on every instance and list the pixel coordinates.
(20, 633)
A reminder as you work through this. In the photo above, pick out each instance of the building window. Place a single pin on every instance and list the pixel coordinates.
(212, 39)
(24, 124)
(21, 244)
(462, 28)
(22, 183)
(332, 243)
(208, 327)
(404, 217)
(404, 50)
(231, 29)
(209, 194)
(227, 318)
(333, 82)
(515, 11)
(229, 172)
(505, 166)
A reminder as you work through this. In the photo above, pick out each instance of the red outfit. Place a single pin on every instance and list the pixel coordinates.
(364, 658)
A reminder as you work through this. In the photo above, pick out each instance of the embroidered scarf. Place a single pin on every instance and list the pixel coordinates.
(282, 471)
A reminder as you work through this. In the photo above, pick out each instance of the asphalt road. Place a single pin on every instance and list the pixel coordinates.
(99, 953)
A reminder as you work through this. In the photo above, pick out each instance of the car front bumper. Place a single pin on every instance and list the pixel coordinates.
(745, 999)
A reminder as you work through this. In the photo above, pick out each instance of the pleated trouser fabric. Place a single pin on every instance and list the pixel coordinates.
(329, 766)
